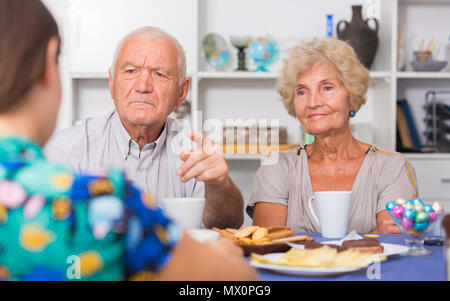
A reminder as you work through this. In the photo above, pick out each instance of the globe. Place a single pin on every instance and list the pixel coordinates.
(216, 50)
(219, 58)
(263, 51)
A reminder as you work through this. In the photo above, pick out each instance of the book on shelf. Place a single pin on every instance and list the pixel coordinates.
(406, 127)
(404, 141)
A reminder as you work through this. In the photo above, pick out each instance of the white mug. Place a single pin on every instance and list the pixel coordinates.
(333, 210)
(187, 212)
(204, 235)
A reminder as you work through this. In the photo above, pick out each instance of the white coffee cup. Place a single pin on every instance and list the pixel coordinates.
(334, 210)
(187, 212)
(204, 235)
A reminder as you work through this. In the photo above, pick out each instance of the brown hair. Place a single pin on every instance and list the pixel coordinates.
(26, 26)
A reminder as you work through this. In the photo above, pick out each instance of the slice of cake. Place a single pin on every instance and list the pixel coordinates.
(371, 245)
(309, 245)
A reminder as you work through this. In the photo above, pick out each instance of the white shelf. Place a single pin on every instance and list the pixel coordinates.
(263, 75)
(99, 75)
(235, 75)
(426, 2)
(424, 75)
(426, 156)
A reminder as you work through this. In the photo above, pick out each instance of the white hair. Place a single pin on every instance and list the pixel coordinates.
(154, 33)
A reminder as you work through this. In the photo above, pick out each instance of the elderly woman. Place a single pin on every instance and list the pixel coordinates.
(323, 84)
(58, 225)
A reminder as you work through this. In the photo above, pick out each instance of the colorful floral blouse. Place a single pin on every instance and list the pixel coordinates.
(56, 225)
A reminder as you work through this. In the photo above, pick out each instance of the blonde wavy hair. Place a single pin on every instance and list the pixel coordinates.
(352, 74)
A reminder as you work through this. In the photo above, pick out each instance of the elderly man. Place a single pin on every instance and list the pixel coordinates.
(147, 81)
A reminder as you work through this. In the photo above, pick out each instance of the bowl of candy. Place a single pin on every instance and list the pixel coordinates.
(414, 218)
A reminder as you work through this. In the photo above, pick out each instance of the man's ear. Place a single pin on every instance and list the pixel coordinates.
(111, 84)
(51, 63)
(184, 91)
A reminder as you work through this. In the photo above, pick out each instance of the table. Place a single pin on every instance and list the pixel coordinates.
(396, 268)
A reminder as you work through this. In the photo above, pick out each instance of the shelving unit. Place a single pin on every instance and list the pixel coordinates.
(432, 169)
(89, 47)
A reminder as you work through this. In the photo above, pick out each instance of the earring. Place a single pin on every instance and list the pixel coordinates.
(352, 113)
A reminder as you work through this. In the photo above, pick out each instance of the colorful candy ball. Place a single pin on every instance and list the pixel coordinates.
(437, 207)
(407, 224)
(409, 205)
(418, 201)
(422, 217)
(420, 226)
(433, 216)
(410, 202)
(409, 214)
(428, 208)
(397, 211)
(390, 205)
(400, 201)
(418, 207)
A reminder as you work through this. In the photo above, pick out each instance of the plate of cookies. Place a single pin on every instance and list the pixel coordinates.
(262, 240)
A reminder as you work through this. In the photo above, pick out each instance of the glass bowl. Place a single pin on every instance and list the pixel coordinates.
(414, 218)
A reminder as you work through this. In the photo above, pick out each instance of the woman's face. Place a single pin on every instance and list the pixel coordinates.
(321, 101)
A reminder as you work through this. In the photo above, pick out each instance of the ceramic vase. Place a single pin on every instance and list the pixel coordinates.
(360, 36)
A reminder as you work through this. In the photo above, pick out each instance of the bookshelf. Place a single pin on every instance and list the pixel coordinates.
(432, 169)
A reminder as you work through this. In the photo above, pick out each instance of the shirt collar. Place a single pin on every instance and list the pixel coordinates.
(122, 136)
(125, 141)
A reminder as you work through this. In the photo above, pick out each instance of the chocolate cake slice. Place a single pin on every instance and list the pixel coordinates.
(364, 245)
(314, 245)
(371, 245)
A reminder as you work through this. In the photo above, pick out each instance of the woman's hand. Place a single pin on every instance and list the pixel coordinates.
(385, 224)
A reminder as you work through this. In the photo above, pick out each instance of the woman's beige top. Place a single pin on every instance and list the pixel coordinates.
(383, 177)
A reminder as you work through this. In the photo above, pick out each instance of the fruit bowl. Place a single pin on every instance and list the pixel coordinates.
(414, 218)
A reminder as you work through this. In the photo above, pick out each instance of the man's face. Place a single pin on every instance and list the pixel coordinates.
(146, 86)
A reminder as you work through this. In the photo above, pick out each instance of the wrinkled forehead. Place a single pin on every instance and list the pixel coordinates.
(152, 52)
(318, 71)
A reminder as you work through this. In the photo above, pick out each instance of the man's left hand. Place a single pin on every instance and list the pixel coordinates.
(206, 163)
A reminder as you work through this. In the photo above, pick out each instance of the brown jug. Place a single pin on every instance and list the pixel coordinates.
(360, 36)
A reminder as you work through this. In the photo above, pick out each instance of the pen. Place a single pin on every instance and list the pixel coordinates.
(429, 45)
(429, 52)
(420, 57)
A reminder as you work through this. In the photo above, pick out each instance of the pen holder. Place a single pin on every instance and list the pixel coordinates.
(422, 56)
